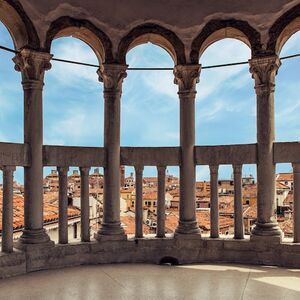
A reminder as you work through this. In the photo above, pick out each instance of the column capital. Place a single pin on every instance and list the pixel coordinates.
(186, 76)
(112, 76)
(214, 169)
(32, 64)
(264, 70)
(8, 168)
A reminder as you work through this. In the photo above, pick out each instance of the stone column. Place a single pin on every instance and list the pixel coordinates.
(84, 204)
(32, 66)
(238, 203)
(186, 76)
(296, 210)
(161, 198)
(263, 72)
(112, 76)
(214, 202)
(7, 209)
(139, 201)
(63, 205)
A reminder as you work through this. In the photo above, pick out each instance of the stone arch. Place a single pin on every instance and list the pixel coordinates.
(83, 30)
(283, 28)
(18, 24)
(216, 30)
(155, 34)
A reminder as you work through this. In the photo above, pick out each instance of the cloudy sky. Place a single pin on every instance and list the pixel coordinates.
(225, 104)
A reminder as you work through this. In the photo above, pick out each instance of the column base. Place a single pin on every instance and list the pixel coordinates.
(32, 238)
(111, 231)
(267, 231)
(188, 227)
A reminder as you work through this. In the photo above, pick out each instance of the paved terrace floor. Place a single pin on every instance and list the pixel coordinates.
(156, 282)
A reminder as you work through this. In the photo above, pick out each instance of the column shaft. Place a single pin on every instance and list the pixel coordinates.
(112, 77)
(32, 65)
(84, 204)
(7, 209)
(161, 205)
(63, 205)
(238, 203)
(214, 202)
(139, 201)
(264, 71)
(186, 77)
(296, 209)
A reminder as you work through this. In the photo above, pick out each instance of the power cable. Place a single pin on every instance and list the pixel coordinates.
(148, 69)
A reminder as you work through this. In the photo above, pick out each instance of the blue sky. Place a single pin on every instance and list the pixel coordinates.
(225, 103)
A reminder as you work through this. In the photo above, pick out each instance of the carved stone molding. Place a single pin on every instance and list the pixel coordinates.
(112, 76)
(186, 76)
(32, 64)
(263, 71)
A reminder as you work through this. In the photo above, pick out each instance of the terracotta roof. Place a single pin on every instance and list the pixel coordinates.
(284, 177)
(281, 186)
(50, 211)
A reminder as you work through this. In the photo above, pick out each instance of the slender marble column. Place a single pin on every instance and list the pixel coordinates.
(214, 202)
(238, 203)
(7, 209)
(84, 204)
(186, 76)
(161, 205)
(263, 72)
(63, 205)
(296, 171)
(32, 66)
(139, 201)
(112, 76)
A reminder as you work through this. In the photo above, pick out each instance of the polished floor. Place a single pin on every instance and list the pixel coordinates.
(201, 281)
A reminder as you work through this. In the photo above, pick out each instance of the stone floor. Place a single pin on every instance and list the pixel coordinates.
(201, 281)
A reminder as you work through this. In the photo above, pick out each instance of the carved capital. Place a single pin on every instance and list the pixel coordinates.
(32, 64)
(186, 76)
(112, 76)
(263, 71)
(237, 169)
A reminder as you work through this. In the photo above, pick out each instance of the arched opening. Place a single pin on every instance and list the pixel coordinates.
(287, 101)
(73, 101)
(287, 126)
(150, 109)
(149, 117)
(11, 97)
(225, 103)
(18, 24)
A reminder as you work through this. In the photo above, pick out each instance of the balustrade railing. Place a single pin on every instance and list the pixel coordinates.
(63, 158)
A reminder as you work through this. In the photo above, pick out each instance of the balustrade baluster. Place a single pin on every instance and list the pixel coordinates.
(214, 202)
(84, 204)
(139, 201)
(7, 209)
(238, 203)
(63, 205)
(161, 195)
(296, 173)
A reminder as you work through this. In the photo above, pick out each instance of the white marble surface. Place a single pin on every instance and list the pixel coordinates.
(156, 282)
